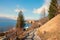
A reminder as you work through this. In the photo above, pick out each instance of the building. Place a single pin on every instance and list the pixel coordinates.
(30, 21)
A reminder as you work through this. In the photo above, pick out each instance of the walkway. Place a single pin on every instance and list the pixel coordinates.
(31, 36)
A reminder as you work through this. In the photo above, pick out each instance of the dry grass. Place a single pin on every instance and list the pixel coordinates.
(50, 30)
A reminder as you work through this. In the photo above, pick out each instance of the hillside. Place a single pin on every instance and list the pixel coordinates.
(43, 20)
(50, 30)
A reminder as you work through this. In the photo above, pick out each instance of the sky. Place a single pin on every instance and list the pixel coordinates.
(32, 9)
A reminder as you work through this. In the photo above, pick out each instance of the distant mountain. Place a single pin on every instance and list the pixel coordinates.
(6, 23)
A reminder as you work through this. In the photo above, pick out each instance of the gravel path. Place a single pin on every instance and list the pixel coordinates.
(31, 36)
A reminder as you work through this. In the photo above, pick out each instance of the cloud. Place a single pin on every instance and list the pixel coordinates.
(18, 10)
(30, 18)
(45, 7)
(39, 10)
(8, 16)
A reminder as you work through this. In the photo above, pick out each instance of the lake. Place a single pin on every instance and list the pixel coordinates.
(6, 24)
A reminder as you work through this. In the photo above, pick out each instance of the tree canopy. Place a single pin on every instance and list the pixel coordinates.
(20, 20)
(52, 9)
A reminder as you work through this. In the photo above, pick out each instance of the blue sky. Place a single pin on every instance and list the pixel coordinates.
(30, 8)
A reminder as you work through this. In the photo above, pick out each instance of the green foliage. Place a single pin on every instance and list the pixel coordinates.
(52, 9)
(50, 16)
(20, 20)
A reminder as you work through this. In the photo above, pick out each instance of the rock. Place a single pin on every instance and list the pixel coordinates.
(31, 33)
(36, 37)
(27, 39)
(30, 36)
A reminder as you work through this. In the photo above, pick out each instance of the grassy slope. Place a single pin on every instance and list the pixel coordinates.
(50, 30)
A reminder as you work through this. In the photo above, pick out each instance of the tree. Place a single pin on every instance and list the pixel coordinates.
(20, 20)
(52, 9)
